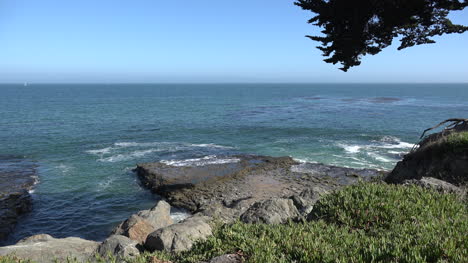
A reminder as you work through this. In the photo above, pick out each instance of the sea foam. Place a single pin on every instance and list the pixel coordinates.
(211, 159)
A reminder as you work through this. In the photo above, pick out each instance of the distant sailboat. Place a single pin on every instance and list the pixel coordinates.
(25, 84)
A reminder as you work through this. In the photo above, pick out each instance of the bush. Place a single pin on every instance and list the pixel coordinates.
(375, 206)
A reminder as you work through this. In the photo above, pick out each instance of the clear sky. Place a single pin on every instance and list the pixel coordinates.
(195, 41)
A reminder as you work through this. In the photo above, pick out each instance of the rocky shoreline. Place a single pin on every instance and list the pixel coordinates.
(246, 187)
(249, 188)
(227, 190)
(17, 178)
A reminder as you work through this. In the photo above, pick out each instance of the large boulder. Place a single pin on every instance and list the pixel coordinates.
(271, 211)
(119, 246)
(138, 226)
(135, 228)
(45, 249)
(180, 236)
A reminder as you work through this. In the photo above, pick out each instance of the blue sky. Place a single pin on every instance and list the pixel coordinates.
(195, 41)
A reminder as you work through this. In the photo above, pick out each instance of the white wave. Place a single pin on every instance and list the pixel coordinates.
(126, 157)
(179, 214)
(210, 159)
(392, 142)
(351, 148)
(100, 151)
(211, 145)
(400, 145)
(397, 152)
(301, 160)
(379, 157)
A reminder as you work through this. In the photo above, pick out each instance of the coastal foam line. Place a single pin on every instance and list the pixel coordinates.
(119, 151)
(210, 159)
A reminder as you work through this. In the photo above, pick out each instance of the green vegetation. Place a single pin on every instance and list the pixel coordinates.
(457, 141)
(368, 222)
(362, 223)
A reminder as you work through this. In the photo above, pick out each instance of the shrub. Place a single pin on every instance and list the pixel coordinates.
(375, 206)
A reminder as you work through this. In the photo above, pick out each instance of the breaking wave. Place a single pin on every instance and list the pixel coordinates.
(211, 159)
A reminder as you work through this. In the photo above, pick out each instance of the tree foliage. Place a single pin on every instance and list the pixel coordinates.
(354, 28)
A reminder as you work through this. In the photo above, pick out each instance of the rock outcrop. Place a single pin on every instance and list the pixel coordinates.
(119, 246)
(17, 177)
(226, 190)
(438, 185)
(180, 236)
(442, 155)
(45, 249)
(139, 225)
(271, 211)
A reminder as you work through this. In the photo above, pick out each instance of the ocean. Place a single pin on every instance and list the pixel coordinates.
(86, 139)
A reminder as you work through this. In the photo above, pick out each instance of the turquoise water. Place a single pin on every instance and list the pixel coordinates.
(87, 138)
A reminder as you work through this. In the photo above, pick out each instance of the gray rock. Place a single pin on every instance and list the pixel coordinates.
(138, 226)
(158, 216)
(306, 200)
(437, 184)
(44, 249)
(271, 211)
(119, 246)
(226, 190)
(180, 236)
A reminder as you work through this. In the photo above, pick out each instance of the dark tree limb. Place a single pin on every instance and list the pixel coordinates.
(355, 28)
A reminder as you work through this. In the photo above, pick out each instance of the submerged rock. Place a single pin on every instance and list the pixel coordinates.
(44, 249)
(180, 236)
(17, 177)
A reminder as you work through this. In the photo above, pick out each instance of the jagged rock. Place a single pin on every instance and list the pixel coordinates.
(437, 184)
(119, 246)
(180, 236)
(138, 226)
(17, 177)
(135, 228)
(306, 200)
(158, 216)
(45, 249)
(271, 211)
(225, 190)
(229, 258)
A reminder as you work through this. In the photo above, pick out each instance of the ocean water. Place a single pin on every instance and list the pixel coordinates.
(86, 139)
